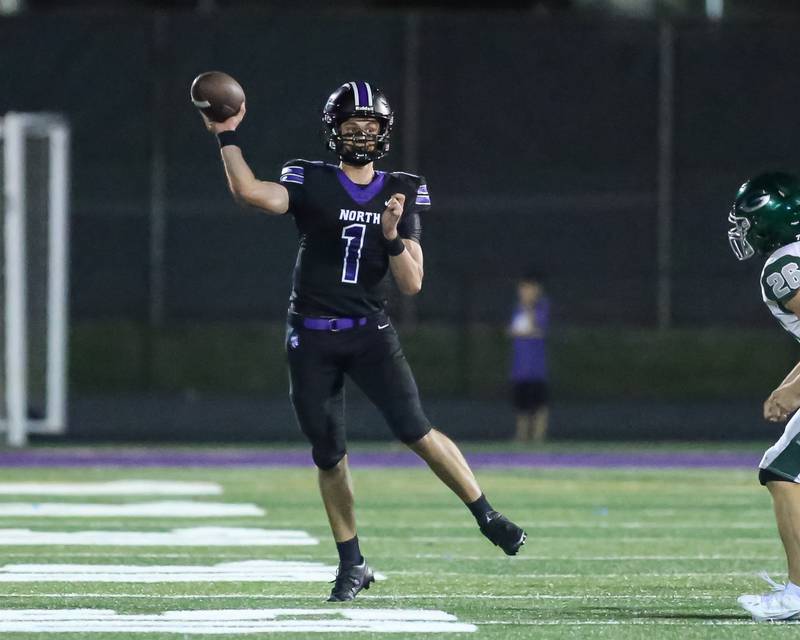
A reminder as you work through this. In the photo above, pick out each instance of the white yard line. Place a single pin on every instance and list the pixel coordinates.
(446, 538)
(135, 554)
(631, 622)
(159, 509)
(363, 596)
(115, 488)
(444, 557)
(600, 523)
(189, 537)
(579, 558)
(764, 523)
(233, 621)
(593, 575)
(542, 541)
(263, 571)
(245, 571)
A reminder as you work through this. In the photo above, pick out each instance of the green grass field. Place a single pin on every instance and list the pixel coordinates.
(611, 553)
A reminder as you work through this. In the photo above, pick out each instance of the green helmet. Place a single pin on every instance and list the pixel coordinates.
(765, 215)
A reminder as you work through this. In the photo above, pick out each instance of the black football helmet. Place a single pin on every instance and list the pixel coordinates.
(358, 99)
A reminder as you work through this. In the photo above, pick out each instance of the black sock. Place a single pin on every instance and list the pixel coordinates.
(349, 553)
(480, 508)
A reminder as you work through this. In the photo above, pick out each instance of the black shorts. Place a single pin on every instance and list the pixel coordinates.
(529, 395)
(372, 357)
(765, 475)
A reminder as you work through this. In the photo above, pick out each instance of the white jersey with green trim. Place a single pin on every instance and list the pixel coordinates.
(780, 281)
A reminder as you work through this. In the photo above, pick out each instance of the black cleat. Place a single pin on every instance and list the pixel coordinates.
(350, 580)
(503, 533)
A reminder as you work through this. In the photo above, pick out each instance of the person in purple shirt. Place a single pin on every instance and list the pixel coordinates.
(529, 325)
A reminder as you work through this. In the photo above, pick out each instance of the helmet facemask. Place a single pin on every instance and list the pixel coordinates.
(360, 148)
(737, 236)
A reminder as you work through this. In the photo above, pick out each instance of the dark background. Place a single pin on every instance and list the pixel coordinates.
(541, 130)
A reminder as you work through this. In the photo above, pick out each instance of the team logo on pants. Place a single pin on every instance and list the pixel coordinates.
(294, 341)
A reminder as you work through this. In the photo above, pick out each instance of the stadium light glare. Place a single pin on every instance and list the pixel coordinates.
(11, 7)
(715, 9)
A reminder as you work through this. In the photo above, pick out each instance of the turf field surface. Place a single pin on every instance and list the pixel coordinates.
(613, 552)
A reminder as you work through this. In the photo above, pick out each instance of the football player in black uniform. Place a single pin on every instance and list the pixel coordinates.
(356, 225)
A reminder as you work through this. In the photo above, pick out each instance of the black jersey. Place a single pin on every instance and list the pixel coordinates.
(342, 264)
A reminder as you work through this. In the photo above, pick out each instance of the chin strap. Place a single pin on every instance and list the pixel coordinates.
(354, 162)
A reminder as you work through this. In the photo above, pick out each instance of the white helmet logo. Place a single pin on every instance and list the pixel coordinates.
(755, 204)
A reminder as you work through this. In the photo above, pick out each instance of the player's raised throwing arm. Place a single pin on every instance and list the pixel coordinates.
(270, 197)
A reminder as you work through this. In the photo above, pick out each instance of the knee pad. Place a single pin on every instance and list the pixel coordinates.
(410, 427)
(326, 457)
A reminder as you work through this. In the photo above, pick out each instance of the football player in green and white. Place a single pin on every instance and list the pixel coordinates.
(766, 220)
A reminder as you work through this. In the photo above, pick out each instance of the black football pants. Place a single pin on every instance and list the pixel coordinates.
(373, 358)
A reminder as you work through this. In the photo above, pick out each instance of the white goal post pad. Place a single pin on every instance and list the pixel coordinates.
(17, 417)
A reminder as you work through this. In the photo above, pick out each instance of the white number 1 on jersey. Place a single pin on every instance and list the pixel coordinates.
(353, 235)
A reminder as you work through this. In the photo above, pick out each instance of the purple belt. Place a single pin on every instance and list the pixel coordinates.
(333, 324)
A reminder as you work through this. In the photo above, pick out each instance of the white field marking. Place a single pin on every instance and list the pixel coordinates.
(467, 533)
(592, 575)
(601, 524)
(587, 519)
(243, 555)
(450, 538)
(191, 537)
(233, 621)
(362, 596)
(636, 623)
(585, 524)
(444, 556)
(116, 488)
(247, 571)
(160, 509)
(439, 556)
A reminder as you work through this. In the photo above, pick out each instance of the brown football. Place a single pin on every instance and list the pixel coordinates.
(217, 95)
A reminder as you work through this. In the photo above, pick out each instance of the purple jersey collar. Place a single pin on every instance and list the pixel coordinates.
(361, 193)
